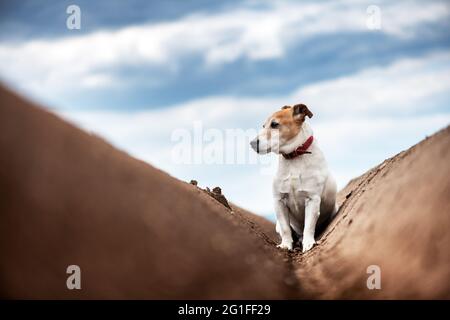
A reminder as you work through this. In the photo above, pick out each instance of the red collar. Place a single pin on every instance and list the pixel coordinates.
(300, 150)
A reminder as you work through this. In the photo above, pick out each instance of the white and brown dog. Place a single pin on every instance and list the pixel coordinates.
(303, 189)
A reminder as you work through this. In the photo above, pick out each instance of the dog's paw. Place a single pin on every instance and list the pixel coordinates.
(307, 244)
(285, 245)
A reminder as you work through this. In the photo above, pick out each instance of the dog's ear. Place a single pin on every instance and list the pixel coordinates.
(285, 107)
(300, 111)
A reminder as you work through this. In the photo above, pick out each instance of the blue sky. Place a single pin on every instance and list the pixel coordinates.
(137, 71)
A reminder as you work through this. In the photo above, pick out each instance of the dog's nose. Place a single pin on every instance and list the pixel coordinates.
(255, 144)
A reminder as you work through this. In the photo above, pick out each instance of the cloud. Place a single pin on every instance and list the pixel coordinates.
(381, 90)
(404, 87)
(360, 120)
(248, 32)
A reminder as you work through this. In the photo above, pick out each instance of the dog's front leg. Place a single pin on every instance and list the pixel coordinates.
(312, 212)
(284, 224)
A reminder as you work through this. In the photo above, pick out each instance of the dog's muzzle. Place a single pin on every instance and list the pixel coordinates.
(255, 145)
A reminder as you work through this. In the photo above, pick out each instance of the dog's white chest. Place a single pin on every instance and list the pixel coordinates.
(289, 183)
(291, 188)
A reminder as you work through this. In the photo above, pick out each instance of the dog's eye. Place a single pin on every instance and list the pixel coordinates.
(274, 125)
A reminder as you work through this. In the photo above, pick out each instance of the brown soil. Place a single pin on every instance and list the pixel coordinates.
(68, 197)
(395, 216)
(71, 198)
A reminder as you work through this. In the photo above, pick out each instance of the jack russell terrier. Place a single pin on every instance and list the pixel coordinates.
(304, 190)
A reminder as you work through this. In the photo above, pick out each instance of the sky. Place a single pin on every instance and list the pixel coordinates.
(184, 85)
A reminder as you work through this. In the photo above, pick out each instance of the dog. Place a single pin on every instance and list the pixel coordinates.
(304, 190)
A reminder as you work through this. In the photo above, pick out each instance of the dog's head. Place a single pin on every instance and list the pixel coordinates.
(280, 128)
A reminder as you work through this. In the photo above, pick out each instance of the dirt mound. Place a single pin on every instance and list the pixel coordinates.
(69, 198)
(397, 217)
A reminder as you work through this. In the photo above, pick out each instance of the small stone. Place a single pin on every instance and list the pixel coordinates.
(194, 182)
